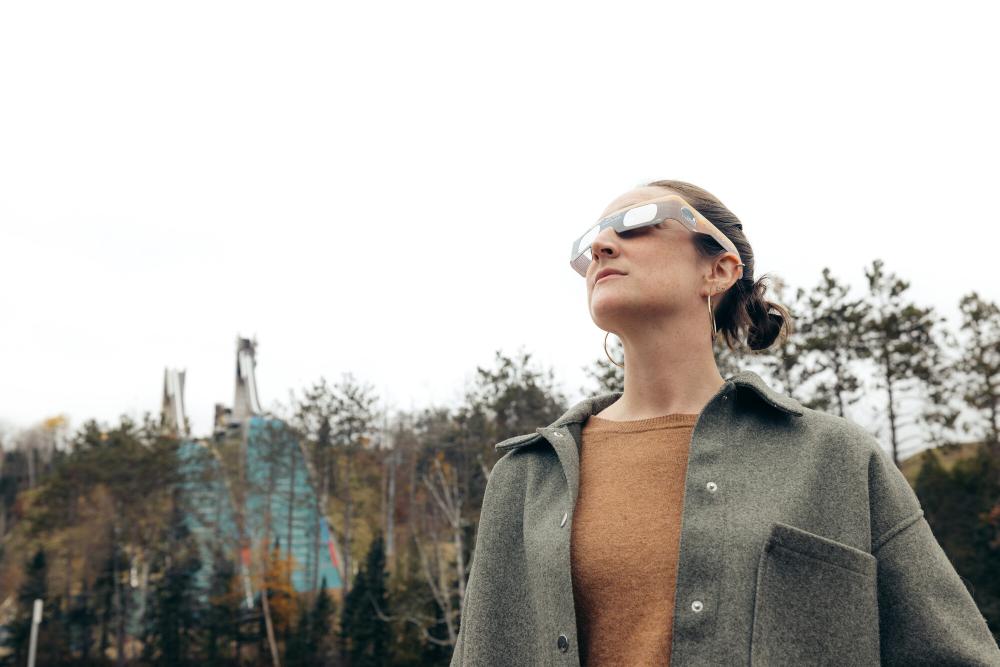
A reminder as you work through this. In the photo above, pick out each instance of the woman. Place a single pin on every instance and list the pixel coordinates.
(692, 519)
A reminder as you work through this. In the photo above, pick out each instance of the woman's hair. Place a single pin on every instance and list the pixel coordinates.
(742, 307)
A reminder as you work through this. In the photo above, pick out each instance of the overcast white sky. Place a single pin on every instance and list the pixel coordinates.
(390, 189)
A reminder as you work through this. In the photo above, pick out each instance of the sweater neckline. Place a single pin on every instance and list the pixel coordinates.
(673, 420)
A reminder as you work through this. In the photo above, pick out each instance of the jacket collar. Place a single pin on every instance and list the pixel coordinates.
(594, 404)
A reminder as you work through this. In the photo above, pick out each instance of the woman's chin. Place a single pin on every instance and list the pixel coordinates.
(608, 309)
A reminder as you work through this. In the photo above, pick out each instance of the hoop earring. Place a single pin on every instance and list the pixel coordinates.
(711, 315)
(621, 365)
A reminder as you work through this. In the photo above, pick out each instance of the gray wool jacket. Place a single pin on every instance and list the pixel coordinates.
(801, 543)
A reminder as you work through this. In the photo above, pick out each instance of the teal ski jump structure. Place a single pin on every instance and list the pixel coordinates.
(272, 503)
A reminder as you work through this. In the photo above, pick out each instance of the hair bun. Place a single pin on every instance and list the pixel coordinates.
(763, 332)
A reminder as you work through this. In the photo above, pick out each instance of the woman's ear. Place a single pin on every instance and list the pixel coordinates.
(726, 270)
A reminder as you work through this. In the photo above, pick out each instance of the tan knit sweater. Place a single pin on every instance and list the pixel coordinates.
(625, 537)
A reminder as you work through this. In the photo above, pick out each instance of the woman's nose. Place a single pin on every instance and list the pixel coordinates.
(605, 242)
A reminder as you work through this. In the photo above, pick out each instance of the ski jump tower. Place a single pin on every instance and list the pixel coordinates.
(174, 417)
(273, 458)
(246, 403)
(277, 500)
(246, 400)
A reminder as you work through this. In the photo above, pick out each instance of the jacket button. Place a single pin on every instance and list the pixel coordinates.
(563, 643)
(563, 522)
(697, 605)
(557, 434)
(712, 486)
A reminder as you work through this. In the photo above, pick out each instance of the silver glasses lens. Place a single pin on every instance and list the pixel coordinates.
(633, 217)
(587, 238)
(639, 215)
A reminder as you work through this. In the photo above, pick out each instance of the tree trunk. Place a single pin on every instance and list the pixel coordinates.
(318, 528)
(390, 519)
(347, 528)
(891, 410)
(272, 644)
(119, 604)
(291, 498)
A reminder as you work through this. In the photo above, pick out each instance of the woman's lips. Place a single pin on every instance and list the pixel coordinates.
(610, 275)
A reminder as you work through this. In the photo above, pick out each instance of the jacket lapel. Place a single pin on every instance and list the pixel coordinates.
(773, 398)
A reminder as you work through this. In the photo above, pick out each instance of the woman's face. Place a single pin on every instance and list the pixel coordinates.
(663, 272)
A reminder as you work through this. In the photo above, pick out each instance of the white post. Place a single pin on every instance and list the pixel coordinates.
(36, 618)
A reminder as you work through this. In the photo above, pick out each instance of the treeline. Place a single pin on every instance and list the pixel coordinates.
(94, 522)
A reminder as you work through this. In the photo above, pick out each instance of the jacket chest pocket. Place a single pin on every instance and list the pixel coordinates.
(816, 602)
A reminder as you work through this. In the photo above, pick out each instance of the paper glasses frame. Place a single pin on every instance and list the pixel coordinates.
(669, 207)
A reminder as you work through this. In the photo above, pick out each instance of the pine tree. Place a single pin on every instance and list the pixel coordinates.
(320, 628)
(979, 365)
(35, 587)
(299, 652)
(352, 428)
(365, 632)
(309, 643)
(831, 340)
(80, 624)
(222, 612)
(175, 608)
(907, 346)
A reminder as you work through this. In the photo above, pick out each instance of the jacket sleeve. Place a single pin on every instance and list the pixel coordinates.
(456, 656)
(926, 614)
(486, 633)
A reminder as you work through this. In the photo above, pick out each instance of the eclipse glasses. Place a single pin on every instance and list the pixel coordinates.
(669, 207)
